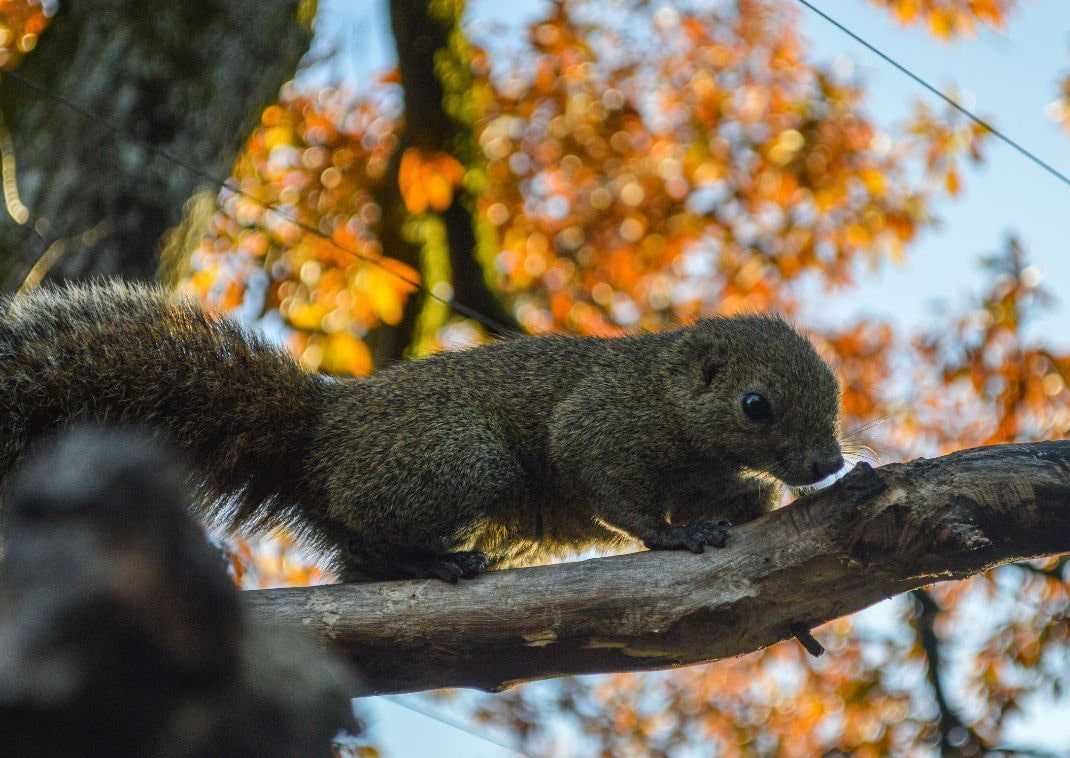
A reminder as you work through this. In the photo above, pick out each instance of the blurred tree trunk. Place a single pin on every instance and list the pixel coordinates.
(437, 84)
(188, 78)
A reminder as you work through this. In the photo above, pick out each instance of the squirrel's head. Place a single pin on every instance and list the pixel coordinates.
(753, 391)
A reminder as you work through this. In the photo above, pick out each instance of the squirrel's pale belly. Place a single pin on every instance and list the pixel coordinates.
(536, 534)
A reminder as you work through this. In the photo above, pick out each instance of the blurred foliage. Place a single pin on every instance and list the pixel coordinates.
(1017, 388)
(1000, 640)
(21, 23)
(1060, 107)
(629, 169)
(641, 168)
(320, 162)
(947, 19)
(623, 182)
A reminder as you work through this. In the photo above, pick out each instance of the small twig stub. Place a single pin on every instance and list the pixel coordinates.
(802, 633)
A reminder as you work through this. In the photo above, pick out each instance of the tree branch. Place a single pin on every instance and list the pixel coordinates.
(876, 533)
(422, 40)
(956, 739)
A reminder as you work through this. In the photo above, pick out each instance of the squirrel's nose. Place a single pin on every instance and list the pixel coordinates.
(826, 465)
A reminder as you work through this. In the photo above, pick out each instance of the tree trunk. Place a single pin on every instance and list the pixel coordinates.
(876, 533)
(426, 53)
(189, 78)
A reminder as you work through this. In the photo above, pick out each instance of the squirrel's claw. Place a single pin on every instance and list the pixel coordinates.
(717, 532)
(463, 565)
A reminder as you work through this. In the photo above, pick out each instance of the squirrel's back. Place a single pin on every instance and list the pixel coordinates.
(138, 355)
(496, 456)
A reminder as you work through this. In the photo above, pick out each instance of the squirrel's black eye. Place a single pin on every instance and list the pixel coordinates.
(756, 407)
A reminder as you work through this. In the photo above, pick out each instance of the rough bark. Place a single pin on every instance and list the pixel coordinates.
(189, 78)
(876, 533)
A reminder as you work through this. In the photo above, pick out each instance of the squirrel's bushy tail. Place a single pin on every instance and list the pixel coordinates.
(131, 354)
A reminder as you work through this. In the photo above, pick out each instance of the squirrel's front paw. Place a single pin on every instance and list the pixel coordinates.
(694, 537)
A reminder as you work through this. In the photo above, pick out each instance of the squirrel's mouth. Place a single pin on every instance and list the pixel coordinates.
(813, 485)
(812, 477)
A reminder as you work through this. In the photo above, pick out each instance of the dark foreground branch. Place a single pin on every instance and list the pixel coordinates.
(877, 533)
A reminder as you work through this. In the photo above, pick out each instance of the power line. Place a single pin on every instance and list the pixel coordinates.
(460, 308)
(950, 101)
(450, 723)
(225, 184)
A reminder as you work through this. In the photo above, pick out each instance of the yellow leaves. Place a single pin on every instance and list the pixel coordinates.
(942, 24)
(346, 354)
(306, 316)
(384, 291)
(785, 146)
(428, 181)
(277, 135)
(951, 182)
(332, 290)
(201, 282)
(707, 173)
(274, 115)
(858, 235)
(1059, 109)
(1016, 391)
(943, 142)
(947, 19)
(736, 151)
(875, 182)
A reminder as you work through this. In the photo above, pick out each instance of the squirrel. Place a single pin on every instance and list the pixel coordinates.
(502, 455)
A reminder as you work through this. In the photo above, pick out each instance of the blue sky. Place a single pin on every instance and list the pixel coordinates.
(1007, 77)
(1010, 78)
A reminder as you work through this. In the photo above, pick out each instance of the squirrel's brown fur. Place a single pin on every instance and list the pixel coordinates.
(501, 455)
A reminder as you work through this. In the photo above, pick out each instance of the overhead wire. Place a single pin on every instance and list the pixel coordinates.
(229, 186)
(454, 305)
(1007, 139)
(460, 308)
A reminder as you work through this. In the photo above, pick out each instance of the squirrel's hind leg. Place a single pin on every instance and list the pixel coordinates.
(432, 520)
(361, 563)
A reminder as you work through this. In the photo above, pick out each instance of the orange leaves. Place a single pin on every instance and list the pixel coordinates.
(21, 23)
(1019, 389)
(947, 19)
(1059, 109)
(274, 563)
(428, 181)
(942, 142)
(386, 287)
(332, 291)
(704, 167)
(711, 131)
(775, 703)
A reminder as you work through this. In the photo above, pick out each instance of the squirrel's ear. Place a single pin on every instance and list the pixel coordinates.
(710, 364)
(699, 357)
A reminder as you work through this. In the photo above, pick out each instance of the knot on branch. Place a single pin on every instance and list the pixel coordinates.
(899, 515)
(962, 534)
